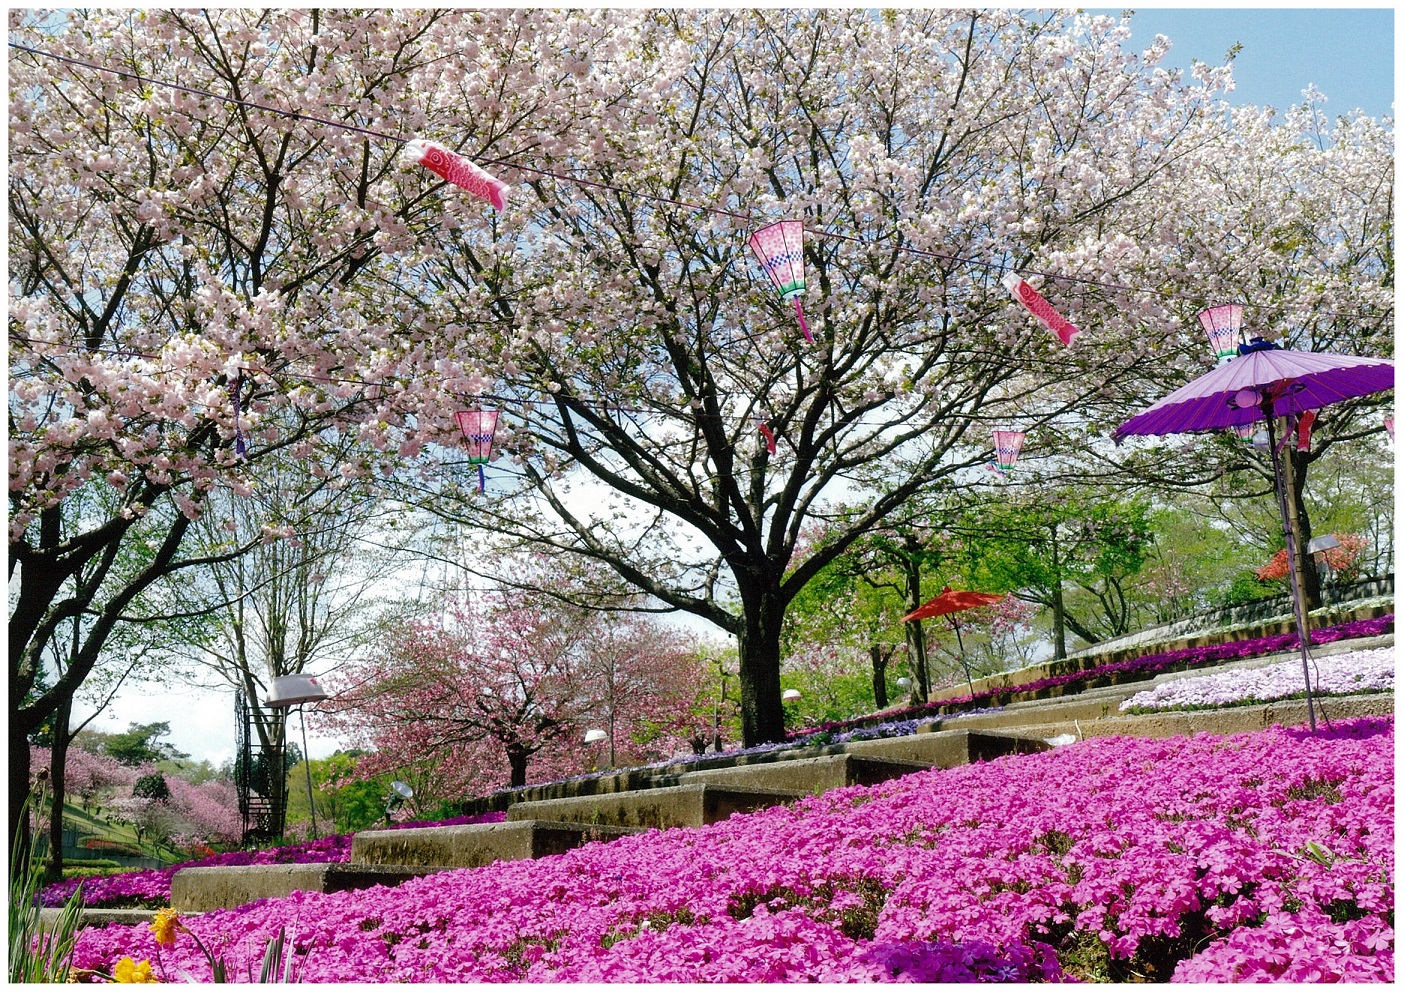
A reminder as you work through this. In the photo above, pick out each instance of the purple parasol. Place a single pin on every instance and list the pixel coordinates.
(1266, 383)
(1315, 380)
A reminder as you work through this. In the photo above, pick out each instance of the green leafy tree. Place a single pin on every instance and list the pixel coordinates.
(141, 743)
(844, 610)
(153, 787)
(1049, 542)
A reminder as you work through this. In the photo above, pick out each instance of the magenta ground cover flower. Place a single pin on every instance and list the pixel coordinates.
(1366, 670)
(1264, 855)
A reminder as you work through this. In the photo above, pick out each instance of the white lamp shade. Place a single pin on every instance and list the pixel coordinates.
(593, 735)
(1322, 544)
(289, 691)
(789, 696)
(903, 683)
(402, 790)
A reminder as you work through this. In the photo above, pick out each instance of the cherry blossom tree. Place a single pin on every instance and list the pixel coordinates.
(510, 680)
(504, 678)
(202, 210)
(648, 686)
(637, 344)
(93, 779)
(1295, 221)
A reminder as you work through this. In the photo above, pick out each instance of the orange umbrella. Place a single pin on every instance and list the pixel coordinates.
(950, 601)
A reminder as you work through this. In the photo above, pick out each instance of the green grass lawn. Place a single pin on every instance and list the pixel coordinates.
(88, 824)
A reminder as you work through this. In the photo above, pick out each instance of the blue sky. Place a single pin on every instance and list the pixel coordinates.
(1347, 53)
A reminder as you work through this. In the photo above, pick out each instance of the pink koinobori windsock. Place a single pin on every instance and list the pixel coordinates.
(1223, 325)
(457, 170)
(768, 434)
(780, 249)
(1040, 308)
(1007, 447)
(478, 427)
(1304, 423)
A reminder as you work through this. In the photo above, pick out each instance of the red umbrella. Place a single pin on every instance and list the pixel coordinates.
(950, 601)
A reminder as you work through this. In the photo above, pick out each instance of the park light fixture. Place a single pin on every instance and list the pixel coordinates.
(593, 737)
(293, 691)
(789, 696)
(1322, 544)
(399, 793)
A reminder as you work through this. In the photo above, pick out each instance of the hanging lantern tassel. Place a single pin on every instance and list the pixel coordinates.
(799, 312)
(457, 170)
(766, 432)
(239, 447)
(1040, 308)
(478, 427)
(780, 249)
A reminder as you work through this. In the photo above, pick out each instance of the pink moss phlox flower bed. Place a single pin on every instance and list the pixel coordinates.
(152, 887)
(1145, 665)
(1260, 856)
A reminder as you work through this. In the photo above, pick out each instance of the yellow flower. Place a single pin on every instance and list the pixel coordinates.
(127, 971)
(165, 925)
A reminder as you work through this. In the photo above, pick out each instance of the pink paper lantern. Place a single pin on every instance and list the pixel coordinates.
(1224, 326)
(1008, 444)
(780, 249)
(478, 427)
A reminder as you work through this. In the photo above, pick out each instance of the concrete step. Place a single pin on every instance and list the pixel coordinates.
(97, 917)
(1011, 718)
(472, 845)
(811, 775)
(215, 887)
(671, 806)
(1228, 720)
(945, 749)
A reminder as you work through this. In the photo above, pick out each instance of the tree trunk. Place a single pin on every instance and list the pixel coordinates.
(916, 641)
(1294, 466)
(518, 758)
(762, 716)
(916, 655)
(58, 762)
(879, 675)
(1060, 637)
(19, 787)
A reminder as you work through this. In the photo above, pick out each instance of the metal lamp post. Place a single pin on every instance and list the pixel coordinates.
(294, 691)
(1316, 547)
(716, 706)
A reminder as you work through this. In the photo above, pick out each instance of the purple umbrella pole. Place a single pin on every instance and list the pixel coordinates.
(1279, 480)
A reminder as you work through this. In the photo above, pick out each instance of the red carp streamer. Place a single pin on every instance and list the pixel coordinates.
(458, 171)
(1041, 308)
